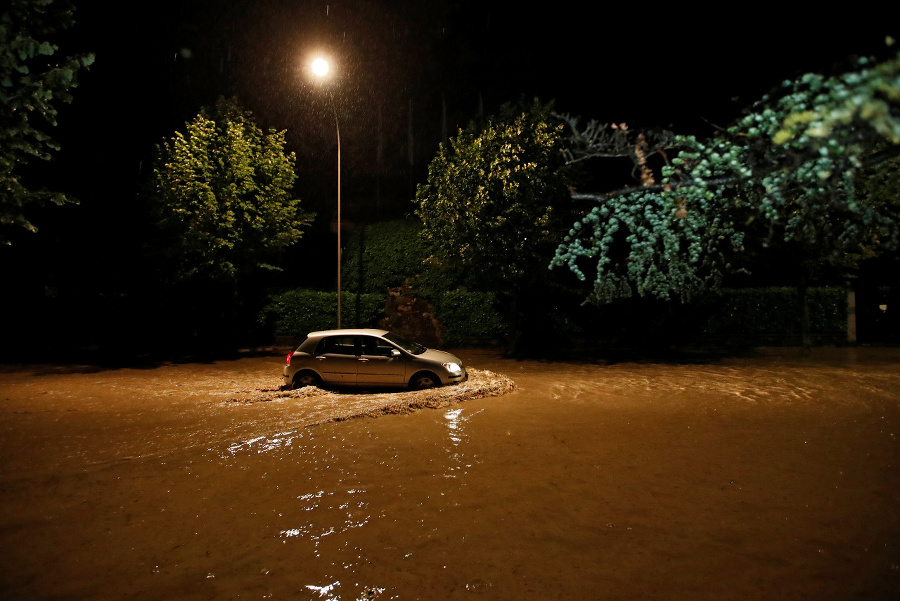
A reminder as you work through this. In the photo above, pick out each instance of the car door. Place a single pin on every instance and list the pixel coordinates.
(379, 365)
(337, 359)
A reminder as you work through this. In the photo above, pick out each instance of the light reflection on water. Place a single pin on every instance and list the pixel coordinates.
(590, 481)
(263, 444)
(328, 521)
(456, 434)
(465, 500)
(330, 593)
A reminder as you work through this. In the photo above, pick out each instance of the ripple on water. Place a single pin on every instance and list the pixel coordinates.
(330, 591)
(765, 385)
(478, 586)
(262, 444)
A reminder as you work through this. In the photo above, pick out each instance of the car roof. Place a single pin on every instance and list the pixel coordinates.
(348, 332)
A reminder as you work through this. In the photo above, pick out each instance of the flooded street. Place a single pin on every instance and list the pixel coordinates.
(771, 477)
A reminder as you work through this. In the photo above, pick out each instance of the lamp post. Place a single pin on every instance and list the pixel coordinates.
(320, 69)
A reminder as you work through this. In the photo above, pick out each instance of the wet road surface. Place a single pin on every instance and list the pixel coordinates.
(772, 477)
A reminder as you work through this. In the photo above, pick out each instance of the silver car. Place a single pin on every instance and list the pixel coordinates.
(369, 358)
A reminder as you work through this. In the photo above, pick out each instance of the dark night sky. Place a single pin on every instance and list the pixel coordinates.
(158, 62)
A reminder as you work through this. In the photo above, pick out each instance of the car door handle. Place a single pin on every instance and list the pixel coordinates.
(363, 360)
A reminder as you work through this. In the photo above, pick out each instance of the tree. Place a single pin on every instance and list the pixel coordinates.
(878, 186)
(33, 80)
(224, 194)
(494, 203)
(494, 198)
(783, 174)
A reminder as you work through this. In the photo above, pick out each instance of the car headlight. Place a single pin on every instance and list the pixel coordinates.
(453, 368)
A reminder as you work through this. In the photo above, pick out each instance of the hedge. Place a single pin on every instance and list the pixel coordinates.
(752, 316)
(383, 255)
(469, 317)
(772, 315)
(297, 312)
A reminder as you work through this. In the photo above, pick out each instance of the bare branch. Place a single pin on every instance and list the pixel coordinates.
(613, 140)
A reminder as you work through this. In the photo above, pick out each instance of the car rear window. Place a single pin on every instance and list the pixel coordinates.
(337, 345)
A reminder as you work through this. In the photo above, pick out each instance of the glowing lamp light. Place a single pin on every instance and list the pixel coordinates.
(320, 67)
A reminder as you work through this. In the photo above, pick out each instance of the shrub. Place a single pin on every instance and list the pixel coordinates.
(772, 315)
(383, 255)
(296, 312)
(468, 316)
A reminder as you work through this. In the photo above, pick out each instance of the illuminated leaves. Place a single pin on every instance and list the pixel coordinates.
(493, 196)
(783, 174)
(224, 190)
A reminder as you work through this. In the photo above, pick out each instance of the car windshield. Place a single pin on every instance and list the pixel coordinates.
(410, 347)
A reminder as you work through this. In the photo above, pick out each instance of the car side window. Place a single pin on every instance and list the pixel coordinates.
(376, 347)
(337, 345)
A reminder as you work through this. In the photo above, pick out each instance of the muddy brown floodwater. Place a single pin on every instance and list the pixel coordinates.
(769, 477)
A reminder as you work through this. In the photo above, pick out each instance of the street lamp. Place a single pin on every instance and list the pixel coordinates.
(320, 69)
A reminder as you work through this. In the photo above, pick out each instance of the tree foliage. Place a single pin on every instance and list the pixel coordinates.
(224, 192)
(783, 174)
(878, 186)
(34, 79)
(494, 197)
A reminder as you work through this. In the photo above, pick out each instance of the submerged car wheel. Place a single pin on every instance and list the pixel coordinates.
(424, 380)
(306, 378)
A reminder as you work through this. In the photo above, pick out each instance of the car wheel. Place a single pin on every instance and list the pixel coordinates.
(306, 378)
(423, 381)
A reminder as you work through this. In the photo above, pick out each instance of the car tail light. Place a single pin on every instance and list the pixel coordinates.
(288, 360)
